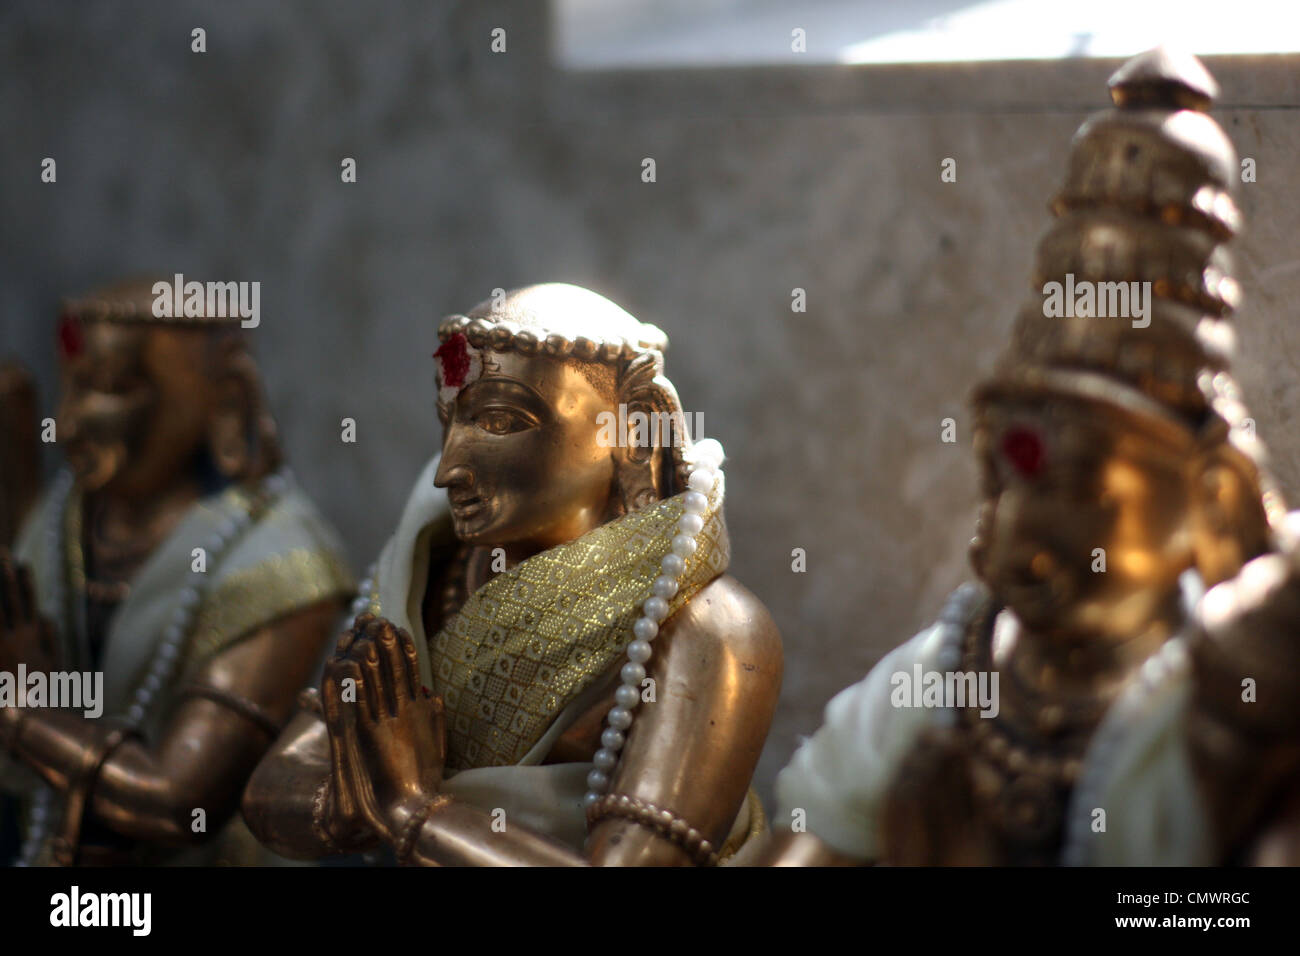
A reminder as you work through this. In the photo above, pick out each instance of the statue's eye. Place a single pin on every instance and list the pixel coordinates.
(502, 421)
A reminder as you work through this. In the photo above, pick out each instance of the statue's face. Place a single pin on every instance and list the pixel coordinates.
(1085, 526)
(521, 457)
(134, 406)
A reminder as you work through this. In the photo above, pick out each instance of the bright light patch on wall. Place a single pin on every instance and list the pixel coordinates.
(649, 34)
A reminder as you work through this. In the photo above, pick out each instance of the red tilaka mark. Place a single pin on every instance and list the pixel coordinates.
(72, 340)
(454, 356)
(1023, 448)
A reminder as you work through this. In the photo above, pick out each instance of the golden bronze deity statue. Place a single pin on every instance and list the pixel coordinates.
(550, 665)
(1120, 686)
(167, 598)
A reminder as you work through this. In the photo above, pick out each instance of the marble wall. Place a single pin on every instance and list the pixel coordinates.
(478, 170)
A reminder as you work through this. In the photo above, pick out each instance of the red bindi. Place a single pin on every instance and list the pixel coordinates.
(454, 356)
(72, 339)
(1023, 448)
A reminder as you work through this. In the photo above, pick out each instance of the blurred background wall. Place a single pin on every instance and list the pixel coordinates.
(478, 170)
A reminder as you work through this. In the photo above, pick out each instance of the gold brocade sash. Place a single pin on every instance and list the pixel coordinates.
(531, 640)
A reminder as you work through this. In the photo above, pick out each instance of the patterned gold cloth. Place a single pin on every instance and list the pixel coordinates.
(531, 640)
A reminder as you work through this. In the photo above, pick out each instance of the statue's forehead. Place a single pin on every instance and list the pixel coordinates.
(158, 351)
(1083, 433)
(111, 336)
(540, 372)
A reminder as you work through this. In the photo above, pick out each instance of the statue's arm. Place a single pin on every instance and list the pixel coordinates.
(216, 735)
(1243, 724)
(692, 751)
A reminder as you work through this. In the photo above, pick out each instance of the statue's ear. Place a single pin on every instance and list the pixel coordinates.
(241, 435)
(228, 440)
(652, 441)
(1229, 524)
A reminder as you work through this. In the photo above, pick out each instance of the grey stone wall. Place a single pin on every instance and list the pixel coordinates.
(478, 170)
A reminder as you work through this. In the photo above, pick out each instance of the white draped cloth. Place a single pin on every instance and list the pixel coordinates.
(1136, 768)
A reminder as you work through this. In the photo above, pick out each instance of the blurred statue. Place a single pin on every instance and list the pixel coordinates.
(20, 449)
(1131, 720)
(173, 586)
(551, 666)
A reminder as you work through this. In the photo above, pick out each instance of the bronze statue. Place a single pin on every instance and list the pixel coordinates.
(20, 449)
(1083, 703)
(175, 577)
(550, 666)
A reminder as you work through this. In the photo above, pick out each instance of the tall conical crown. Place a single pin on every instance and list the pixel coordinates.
(1134, 286)
(1147, 207)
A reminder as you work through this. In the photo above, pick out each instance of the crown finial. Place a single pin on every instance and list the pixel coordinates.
(1163, 78)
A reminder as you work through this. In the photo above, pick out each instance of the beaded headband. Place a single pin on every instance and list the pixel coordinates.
(554, 320)
(483, 332)
(132, 301)
(108, 310)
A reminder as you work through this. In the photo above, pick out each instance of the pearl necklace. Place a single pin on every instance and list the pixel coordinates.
(708, 458)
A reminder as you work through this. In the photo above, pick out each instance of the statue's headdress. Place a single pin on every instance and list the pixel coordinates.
(135, 301)
(1142, 222)
(557, 320)
(138, 300)
(553, 319)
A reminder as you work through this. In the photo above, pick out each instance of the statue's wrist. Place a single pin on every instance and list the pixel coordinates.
(401, 810)
(408, 817)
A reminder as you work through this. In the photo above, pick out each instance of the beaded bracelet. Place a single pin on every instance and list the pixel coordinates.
(664, 822)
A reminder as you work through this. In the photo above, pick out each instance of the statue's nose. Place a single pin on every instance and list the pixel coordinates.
(453, 469)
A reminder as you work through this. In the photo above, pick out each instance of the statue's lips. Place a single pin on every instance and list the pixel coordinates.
(466, 506)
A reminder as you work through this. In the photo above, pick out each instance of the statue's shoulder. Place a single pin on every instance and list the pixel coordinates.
(727, 614)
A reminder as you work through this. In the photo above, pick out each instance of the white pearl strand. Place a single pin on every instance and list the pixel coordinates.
(361, 603)
(168, 651)
(708, 458)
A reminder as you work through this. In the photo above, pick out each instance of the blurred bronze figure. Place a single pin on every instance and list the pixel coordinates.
(173, 584)
(20, 449)
(1088, 702)
(552, 666)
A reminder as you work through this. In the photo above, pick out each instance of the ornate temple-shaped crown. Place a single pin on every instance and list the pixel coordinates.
(1142, 220)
